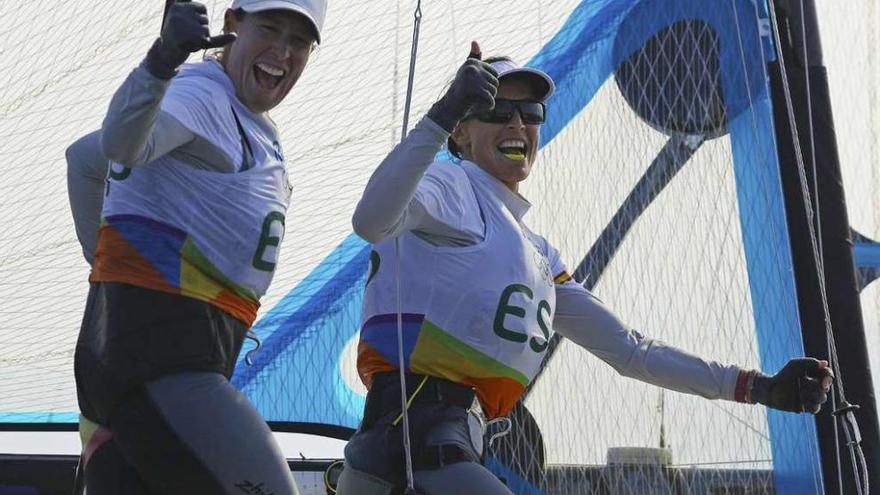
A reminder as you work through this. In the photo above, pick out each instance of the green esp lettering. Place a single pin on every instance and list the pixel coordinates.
(535, 344)
(505, 308)
(266, 240)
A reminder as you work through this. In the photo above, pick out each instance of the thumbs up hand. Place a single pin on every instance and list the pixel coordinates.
(474, 87)
(185, 31)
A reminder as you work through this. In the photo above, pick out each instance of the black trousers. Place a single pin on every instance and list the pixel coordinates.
(153, 370)
(131, 335)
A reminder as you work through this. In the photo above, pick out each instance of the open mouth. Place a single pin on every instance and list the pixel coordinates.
(513, 149)
(268, 76)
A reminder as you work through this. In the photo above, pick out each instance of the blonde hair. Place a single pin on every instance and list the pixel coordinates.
(219, 54)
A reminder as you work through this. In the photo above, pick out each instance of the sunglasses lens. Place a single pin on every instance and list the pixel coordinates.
(500, 114)
(532, 112)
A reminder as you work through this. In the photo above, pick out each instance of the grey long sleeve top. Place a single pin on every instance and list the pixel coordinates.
(134, 133)
(402, 195)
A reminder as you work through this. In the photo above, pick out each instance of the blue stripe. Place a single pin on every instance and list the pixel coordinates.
(578, 58)
(380, 333)
(39, 417)
(306, 302)
(793, 439)
(304, 336)
(157, 242)
(584, 53)
(867, 254)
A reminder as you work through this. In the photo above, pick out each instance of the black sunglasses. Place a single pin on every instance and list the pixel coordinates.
(531, 112)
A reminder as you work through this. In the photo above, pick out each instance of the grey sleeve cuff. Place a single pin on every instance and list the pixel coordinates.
(431, 126)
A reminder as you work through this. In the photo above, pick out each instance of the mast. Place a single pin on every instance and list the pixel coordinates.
(807, 80)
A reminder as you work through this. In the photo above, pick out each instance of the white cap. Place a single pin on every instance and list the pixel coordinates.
(313, 10)
(542, 82)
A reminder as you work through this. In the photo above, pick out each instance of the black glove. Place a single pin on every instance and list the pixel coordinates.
(474, 86)
(801, 386)
(185, 31)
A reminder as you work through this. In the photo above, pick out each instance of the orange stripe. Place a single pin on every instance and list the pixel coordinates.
(117, 261)
(239, 307)
(125, 265)
(370, 362)
(498, 395)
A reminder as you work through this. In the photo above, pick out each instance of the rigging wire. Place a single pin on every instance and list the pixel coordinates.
(407, 447)
(417, 22)
(831, 345)
(818, 225)
(850, 425)
(817, 475)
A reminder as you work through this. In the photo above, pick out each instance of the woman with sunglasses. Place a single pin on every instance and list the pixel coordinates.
(480, 294)
(179, 204)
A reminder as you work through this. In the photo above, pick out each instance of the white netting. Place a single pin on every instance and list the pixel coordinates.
(680, 275)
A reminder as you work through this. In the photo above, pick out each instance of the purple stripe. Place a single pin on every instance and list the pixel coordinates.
(158, 243)
(392, 318)
(380, 333)
(154, 224)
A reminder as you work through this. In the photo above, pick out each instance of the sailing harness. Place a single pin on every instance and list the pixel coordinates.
(383, 400)
(842, 411)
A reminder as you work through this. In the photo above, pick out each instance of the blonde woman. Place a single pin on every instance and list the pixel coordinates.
(183, 239)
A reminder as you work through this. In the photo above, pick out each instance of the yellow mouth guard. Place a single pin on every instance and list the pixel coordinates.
(515, 156)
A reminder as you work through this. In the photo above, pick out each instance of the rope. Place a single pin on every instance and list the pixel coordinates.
(407, 447)
(850, 425)
(409, 402)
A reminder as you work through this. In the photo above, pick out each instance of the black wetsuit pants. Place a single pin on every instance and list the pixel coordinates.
(152, 370)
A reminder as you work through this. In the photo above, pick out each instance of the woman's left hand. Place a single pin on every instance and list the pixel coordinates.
(801, 386)
(474, 86)
(185, 31)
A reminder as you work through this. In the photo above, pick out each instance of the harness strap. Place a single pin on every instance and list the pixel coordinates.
(438, 456)
(385, 390)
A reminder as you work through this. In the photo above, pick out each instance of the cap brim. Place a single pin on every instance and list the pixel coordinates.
(282, 5)
(540, 81)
